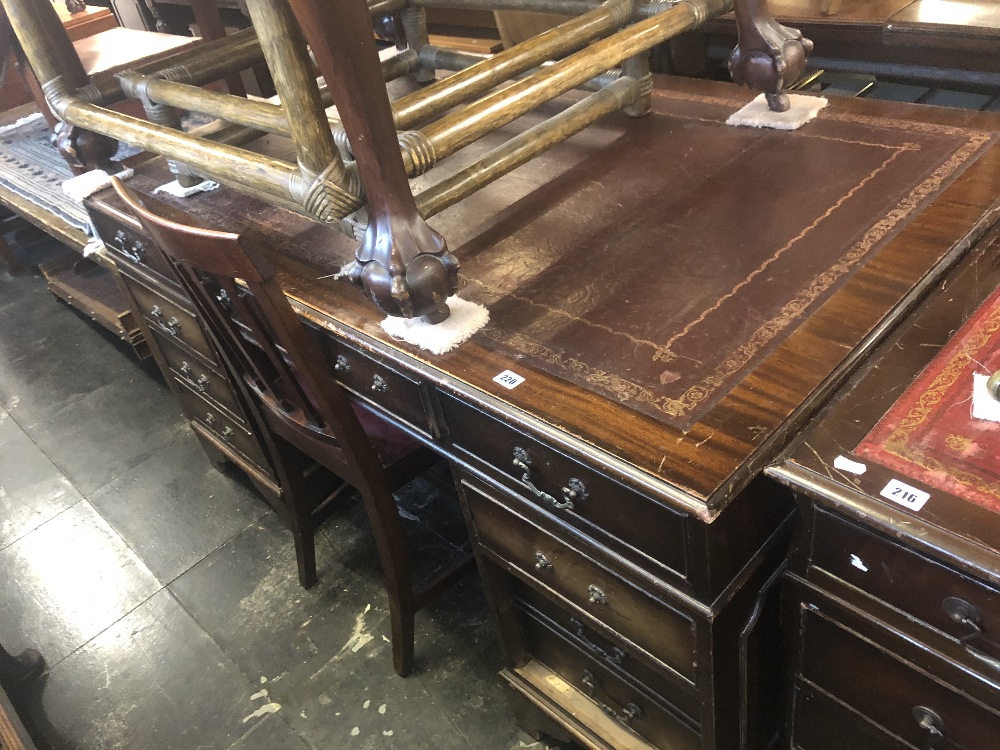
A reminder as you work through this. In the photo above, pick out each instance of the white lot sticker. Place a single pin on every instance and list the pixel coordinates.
(508, 379)
(905, 495)
(846, 464)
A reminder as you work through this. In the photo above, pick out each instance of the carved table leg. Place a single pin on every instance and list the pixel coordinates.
(768, 56)
(403, 264)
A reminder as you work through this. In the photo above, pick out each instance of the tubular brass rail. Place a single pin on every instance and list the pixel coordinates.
(439, 97)
(458, 129)
(527, 145)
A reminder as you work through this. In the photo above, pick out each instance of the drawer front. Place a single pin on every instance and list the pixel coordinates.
(923, 588)
(199, 377)
(383, 386)
(126, 243)
(663, 632)
(227, 429)
(169, 319)
(821, 723)
(626, 702)
(636, 527)
(889, 692)
(617, 656)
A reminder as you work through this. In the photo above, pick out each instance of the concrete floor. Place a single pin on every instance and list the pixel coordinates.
(164, 596)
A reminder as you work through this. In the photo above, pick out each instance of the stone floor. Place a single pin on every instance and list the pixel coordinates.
(163, 594)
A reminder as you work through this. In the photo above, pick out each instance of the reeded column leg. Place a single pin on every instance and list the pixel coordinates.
(404, 265)
(769, 56)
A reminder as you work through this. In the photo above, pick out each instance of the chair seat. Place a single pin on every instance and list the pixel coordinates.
(390, 442)
(117, 49)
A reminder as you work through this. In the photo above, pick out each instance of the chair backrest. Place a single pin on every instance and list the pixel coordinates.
(257, 331)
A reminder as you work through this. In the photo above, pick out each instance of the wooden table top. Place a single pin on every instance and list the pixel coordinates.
(637, 192)
(963, 531)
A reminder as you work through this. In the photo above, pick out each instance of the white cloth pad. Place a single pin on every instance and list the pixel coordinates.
(757, 115)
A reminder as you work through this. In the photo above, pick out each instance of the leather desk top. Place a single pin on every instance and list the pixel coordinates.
(906, 416)
(636, 232)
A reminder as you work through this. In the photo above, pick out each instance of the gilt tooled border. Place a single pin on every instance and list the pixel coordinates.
(897, 442)
(629, 391)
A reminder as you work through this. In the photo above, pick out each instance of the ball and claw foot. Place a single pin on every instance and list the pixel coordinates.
(769, 56)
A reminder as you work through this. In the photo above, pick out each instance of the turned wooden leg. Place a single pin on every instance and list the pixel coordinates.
(403, 265)
(768, 56)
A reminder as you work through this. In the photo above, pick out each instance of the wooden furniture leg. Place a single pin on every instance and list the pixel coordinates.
(403, 264)
(16, 671)
(8, 258)
(768, 56)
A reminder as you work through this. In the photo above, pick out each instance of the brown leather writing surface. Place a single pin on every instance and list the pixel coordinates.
(711, 243)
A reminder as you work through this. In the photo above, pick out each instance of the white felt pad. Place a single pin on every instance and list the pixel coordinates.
(984, 406)
(757, 115)
(88, 183)
(466, 318)
(175, 189)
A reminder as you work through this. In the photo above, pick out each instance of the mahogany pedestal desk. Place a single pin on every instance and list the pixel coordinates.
(674, 297)
(893, 592)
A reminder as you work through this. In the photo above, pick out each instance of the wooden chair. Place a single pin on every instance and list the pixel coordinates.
(303, 410)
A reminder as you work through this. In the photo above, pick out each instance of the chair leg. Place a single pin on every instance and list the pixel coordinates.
(390, 540)
(299, 519)
(402, 617)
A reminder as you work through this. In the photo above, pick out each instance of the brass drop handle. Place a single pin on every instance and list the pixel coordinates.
(932, 724)
(172, 326)
(379, 385)
(616, 656)
(597, 595)
(542, 562)
(185, 369)
(341, 366)
(969, 615)
(201, 382)
(522, 462)
(629, 713)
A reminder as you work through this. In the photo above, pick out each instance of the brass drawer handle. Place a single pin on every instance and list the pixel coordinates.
(379, 385)
(616, 656)
(341, 366)
(932, 723)
(185, 369)
(542, 562)
(629, 713)
(201, 382)
(964, 613)
(574, 491)
(135, 252)
(597, 596)
(226, 433)
(171, 327)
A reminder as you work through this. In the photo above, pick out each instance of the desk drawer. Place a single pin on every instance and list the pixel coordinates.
(666, 634)
(233, 434)
(821, 723)
(170, 319)
(383, 386)
(638, 528)
(922, 588)
(889, 692)
(676, 692)
(131, 245)
(199, 377)
(626, 702)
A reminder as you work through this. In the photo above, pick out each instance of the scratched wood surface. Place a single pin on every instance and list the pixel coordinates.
(700, 467)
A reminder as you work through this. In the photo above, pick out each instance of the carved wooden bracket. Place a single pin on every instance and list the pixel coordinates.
(768, 56)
